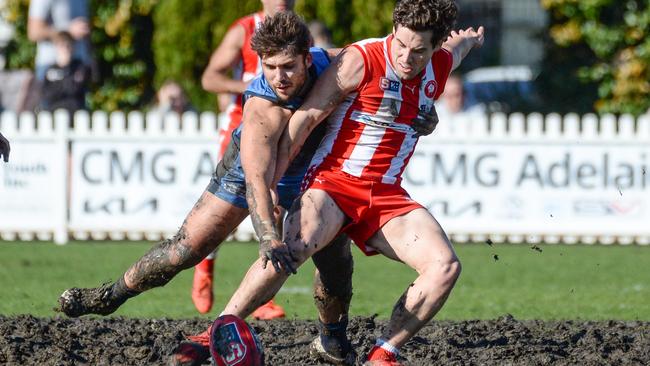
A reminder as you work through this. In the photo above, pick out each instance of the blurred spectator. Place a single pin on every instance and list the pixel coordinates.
(171, 97)
(18, 91)
(452, 101)
(65, 83)
(46, 19)
(321, 34)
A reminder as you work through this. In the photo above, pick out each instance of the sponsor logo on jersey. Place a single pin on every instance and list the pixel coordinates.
(388, 85)
(411, 88)
(430, 88)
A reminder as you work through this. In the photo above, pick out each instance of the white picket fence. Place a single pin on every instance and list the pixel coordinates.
(519, 178)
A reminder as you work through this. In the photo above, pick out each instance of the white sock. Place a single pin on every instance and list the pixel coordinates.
(381, 343)
(213, 255)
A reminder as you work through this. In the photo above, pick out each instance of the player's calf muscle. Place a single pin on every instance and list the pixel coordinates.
(335, 266)
(158, 266)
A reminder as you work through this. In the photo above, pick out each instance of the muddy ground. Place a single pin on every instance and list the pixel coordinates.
(25, 340)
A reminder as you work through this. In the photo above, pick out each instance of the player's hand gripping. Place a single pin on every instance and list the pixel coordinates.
(274, 250)
(425, 122)
(4, 148)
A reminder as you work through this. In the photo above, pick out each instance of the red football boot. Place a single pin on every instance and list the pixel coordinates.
(202, 286)
(269, 311)
(380, 357)
(193, 353)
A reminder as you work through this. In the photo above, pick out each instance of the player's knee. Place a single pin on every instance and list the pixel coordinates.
(445, 273)
(300, 252)
(180, 251)
(451, 271)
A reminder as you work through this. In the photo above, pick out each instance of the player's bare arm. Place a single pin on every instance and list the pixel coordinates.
(333, 52)
(341, 78)
(461, 42)
(263, 125)
(5, 148)
(215, 78)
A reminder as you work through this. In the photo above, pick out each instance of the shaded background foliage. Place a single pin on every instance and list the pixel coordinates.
(21, 51)
(597, 51)
(121, 37)
(186, 34)
(605, 44)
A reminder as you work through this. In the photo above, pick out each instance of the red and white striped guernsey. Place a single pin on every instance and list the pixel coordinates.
(248, 67)
(370, 135)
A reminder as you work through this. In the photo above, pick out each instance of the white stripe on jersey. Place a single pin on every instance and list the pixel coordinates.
(364, 150)
(391, 103)
(397, 162)
(334, 123)
(384, 116)
(373, 132)
(428, 102)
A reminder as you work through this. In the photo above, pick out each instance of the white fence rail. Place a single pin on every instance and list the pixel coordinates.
(521, 179)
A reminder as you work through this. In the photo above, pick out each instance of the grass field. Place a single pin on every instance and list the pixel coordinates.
(549, 282)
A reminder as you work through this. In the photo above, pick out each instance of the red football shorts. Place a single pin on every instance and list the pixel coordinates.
(369, 205)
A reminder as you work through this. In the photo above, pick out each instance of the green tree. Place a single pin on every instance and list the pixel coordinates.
(121, 33)
(20, 52)
(186, 34)
(350, 20)
(614, 37)
(121, 37)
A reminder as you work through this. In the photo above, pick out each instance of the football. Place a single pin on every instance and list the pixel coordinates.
(234, 342)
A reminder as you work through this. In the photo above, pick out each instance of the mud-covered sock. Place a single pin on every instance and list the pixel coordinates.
(337, 329)
(120, 292)
(213, 254)
(334, 338)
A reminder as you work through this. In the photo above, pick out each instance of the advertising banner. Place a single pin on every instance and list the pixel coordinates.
(517, 178)
(137, 185)
(529, 188)
(32, 186)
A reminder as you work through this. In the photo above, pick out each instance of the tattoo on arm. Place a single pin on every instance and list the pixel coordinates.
(262, 227)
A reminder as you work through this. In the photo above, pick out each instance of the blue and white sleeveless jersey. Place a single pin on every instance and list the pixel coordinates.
(228, 180)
